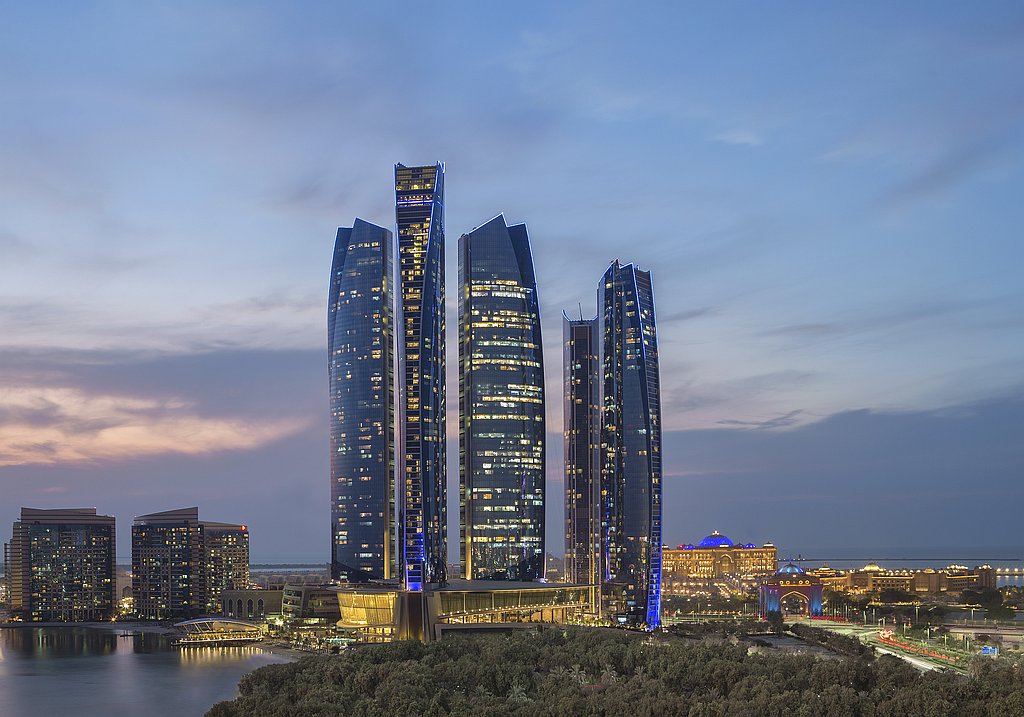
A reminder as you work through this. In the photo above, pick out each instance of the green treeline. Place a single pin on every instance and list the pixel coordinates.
(608, 672)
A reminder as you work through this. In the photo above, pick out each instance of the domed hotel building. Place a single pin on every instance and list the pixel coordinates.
(715, 557)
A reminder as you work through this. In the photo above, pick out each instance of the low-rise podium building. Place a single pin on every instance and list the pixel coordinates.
(380, 613)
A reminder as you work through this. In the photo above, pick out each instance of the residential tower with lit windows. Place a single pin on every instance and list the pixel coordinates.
(501, 406)
(361, 372)
(181, 565)
(60, 565)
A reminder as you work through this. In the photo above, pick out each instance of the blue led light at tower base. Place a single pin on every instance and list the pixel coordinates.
(422, 485)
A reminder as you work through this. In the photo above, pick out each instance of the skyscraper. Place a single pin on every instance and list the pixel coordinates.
(419, 213)
(582, 433)
(180, 564)
(631, 441)
(501, 410)
(61, 565)
(361, 371)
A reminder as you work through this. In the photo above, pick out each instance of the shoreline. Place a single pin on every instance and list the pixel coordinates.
(155, 628)
(269, 645)
(282, 650)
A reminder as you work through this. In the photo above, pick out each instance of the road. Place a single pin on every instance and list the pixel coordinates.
(869, 635)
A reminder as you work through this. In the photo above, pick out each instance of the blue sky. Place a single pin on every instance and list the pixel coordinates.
(829, 198)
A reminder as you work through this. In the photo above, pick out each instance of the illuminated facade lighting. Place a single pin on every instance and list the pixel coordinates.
(361, 371)
(630, 442)
(501, 407)
(181, 565)
(791, 591)
(419, 213)
(714, 558)
(581, 415)
(60, 566)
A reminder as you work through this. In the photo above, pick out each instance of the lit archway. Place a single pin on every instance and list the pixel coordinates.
(795, 603)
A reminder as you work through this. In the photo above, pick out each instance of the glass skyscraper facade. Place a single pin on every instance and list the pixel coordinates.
(60, 565)
(582, 433)
(501, 411)
(360, 343)
(631, 441)
(419, 214)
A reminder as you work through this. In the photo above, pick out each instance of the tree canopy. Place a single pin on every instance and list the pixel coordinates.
(609, 672)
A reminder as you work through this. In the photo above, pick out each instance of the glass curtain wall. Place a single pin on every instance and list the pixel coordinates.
(501, 390)
(361, 373)
(631, 441)
(419, 213)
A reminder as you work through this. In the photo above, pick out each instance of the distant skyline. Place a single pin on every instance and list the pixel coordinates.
(828, 198)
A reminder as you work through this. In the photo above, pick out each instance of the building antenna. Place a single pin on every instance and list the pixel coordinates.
(581, 311)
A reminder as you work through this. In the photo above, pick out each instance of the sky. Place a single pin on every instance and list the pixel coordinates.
(829, 197)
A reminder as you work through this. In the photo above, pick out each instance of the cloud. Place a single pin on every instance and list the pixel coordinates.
(276, 319)
(66, 426)
(66, 407)
(685, 315)
(810, 329)
(880, 320)
(14, 247)
(781, 421)
(689, 396)
(266, 304)
(947, 171)
(856, 478)
(740, 137)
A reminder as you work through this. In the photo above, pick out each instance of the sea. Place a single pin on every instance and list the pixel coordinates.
(97, 671)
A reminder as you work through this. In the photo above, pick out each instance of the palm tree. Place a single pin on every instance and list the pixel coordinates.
(517, 694)
(577, 673)
(609, 676)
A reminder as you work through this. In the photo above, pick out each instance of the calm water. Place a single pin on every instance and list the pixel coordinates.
(84, 671)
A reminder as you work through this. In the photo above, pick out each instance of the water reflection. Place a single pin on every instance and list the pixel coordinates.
(43, 643)
(85, 671)
(212, 655)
